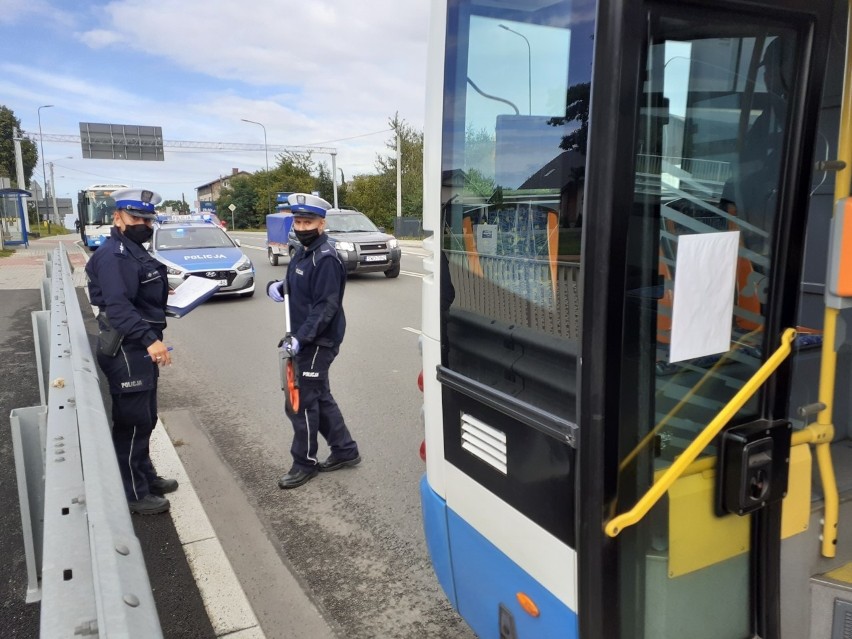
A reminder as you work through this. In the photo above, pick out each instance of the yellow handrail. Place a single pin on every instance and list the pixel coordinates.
(661, 486)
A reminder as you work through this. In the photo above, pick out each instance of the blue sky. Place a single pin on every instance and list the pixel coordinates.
(315, 72)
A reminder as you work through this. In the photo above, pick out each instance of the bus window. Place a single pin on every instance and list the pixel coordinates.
(513, 175)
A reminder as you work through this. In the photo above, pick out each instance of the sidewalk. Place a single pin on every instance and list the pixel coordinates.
(173, 562)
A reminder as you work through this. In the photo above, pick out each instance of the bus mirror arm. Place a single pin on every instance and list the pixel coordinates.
(659, 488)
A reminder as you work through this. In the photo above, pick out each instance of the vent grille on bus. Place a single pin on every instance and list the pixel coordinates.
(842, 626)
(483, 441)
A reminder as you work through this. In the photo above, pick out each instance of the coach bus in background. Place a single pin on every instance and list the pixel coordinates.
(95, 207)
(630, 360)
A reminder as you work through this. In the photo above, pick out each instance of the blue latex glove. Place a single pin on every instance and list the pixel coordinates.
(274, 292)
(291, 345)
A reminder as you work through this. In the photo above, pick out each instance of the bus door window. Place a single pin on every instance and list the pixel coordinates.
(710, 137)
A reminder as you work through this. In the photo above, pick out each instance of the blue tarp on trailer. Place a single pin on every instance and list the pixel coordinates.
(278, 227)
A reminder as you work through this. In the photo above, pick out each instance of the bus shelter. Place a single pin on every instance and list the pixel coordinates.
(13, 224)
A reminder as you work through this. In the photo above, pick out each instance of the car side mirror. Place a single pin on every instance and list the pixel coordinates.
(381, 229)
(237, 241)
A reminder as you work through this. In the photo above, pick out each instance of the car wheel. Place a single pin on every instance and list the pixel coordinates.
(273, 257)
(393, 271)
(251, 292)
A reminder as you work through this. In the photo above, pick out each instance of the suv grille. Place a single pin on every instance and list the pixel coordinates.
(381, 246)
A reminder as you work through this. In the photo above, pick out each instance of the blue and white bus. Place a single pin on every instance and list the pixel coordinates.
(629, 367)
(95, 207)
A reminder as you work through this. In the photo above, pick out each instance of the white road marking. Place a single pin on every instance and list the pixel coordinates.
(411, 274)
(411, 330)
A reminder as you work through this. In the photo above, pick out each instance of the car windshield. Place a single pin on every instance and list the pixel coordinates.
(192, 238)
(350, 223)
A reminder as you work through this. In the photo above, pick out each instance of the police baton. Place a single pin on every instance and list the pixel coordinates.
(287, 367)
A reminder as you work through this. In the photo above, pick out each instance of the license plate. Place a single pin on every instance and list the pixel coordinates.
(375, 258)
(222, 282)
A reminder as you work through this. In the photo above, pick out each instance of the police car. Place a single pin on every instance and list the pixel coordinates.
(361, 246)
(195, 245)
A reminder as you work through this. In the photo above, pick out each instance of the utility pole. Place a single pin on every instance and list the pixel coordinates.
(19, 170)
(53, 195)
(398, 174)
(334, 176)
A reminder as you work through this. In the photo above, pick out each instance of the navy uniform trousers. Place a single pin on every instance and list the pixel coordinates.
(134, 415)
(318, 412)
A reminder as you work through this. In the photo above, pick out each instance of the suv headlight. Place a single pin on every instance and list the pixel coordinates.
(344, 246)
(171, 270)
(244, 264)
(393, 243)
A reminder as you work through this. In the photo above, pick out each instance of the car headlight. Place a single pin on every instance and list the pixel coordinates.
(345, 246)
(393, 243)
(174, 271)
(244, 264)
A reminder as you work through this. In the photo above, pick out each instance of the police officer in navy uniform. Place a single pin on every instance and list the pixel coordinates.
(315, 281)
(130, 289)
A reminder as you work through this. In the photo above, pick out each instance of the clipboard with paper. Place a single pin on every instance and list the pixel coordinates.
(192, 292)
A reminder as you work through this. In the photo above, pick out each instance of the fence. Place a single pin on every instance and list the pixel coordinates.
(83, 559)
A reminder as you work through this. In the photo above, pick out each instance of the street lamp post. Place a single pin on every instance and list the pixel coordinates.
(529, 61)
(266, 151)
(41, 143)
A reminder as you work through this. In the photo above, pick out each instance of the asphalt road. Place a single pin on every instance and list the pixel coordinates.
(353, 539)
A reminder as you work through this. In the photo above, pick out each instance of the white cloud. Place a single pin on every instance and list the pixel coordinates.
(99, 38)
(312, 72)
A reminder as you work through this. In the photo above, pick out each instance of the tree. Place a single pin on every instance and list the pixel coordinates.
(29, 151)
(176, 205)
(374, 195)
(411, 150)
(243, 195)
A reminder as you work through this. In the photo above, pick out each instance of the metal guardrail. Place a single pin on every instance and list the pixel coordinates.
(83, 559)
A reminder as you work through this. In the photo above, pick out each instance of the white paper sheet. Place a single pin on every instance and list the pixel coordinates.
(704, 285)
(191, 290)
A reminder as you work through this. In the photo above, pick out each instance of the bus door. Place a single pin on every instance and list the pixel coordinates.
(695, 223)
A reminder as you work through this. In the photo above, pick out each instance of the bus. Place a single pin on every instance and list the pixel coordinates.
(95, 207)
(632, 318)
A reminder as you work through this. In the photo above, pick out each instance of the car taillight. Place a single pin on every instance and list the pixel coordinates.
(420, 381)
(423, 450)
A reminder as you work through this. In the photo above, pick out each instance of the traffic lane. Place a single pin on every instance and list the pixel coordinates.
(353, 537)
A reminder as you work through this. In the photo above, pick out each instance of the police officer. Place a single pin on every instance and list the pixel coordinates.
(315, 281)
(130, 289)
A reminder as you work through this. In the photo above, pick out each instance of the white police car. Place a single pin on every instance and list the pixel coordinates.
(194, 245)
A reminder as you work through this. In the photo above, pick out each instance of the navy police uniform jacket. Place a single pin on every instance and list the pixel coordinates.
(131, 288)
(315, 280)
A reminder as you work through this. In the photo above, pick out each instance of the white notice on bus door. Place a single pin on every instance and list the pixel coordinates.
(703, 305)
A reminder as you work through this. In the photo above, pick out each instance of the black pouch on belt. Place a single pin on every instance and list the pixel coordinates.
(109, 339)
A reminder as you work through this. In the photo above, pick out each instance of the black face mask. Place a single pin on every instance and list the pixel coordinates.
(307, 237)
(138, 233)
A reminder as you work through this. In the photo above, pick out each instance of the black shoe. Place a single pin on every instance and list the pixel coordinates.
(161, 486)
(150, 505)
(333, 463)
(296, 478)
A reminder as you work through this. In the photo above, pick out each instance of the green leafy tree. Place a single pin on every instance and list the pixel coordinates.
(294, 173)
(176, 205)
(374, 195)
(29, 151)
(242, 193)
(411, 150)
